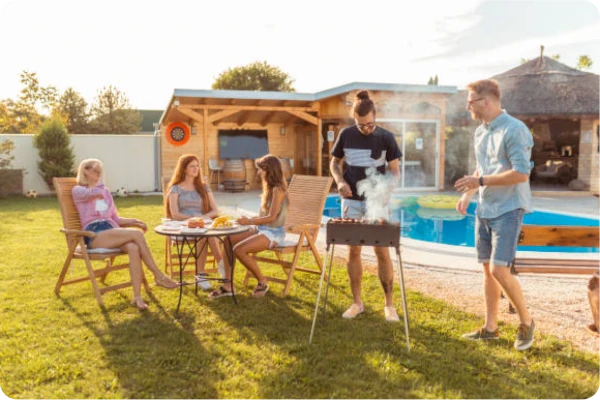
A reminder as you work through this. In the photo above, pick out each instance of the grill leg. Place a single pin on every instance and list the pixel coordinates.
(312, 329)
(328, 280)
(403, 292)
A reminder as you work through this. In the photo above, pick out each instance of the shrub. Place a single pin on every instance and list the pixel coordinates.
(56, 155)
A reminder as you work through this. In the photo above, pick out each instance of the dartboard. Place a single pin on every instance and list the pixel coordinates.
(177, 133)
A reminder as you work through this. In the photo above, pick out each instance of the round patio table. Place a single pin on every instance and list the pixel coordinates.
(190, 238)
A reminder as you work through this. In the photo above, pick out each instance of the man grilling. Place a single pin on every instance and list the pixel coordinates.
(364, 146)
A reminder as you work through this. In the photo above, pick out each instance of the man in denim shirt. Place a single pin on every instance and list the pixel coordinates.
(503, 152)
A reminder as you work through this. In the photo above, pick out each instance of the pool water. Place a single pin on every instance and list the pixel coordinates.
(450, 228)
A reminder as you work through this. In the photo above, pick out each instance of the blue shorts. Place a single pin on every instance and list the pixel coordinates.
(275, 235)
(357, 209)
(496, 238)
(96, 226)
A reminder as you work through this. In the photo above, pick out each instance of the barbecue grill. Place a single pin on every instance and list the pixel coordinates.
(354, 232)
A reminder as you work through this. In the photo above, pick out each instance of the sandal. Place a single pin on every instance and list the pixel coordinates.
(220, 292)
(260, 290)
(139, 303)
(166, 283)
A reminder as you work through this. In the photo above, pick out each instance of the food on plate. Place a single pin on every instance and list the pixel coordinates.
(195, 223)
(224, 221)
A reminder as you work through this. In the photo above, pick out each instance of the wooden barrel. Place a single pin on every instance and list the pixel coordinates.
(234, 175)
(286, 168)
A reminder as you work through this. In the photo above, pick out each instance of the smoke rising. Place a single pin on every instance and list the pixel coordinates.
(377, 189)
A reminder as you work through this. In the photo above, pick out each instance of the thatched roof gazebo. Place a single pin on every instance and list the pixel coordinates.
(558, 103)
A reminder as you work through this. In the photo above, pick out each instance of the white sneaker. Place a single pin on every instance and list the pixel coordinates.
(353, 311)
(390, 314)
(221, 268)
(202, 282)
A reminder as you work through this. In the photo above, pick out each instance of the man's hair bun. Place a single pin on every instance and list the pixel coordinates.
(362, 104)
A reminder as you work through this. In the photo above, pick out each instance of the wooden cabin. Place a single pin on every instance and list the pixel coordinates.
(231, 128)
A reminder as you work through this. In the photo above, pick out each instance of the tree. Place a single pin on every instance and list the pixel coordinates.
(73, 107)
(56, 155)
(25, 114)
(255, 76)
(6, 177)
(433, 80)
(112, 113)
(5, 117)
(556, 57)
(6, 148)
(584, 62)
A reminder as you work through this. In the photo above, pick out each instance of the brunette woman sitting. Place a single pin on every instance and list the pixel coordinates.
(190, 197)
(267, 229)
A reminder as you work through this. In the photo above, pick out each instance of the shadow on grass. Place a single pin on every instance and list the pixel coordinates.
(152, 356)
(367, 357)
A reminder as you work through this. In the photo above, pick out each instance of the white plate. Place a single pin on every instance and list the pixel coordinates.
(185, 229)
(169, 228)
(177, 224)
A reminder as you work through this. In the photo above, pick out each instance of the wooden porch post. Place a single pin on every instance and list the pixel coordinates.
(319, 152)
(205, 143)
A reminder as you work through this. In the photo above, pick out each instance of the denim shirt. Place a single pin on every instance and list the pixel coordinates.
(502, 145)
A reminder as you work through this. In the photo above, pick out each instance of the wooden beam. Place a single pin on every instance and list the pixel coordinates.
(319, 153)
(313, 108)
(267, 118)
(537, 235)
(305, 116)
(243, 118)
(289, 119)
(205, 140)
(221, 114)
(191, 113)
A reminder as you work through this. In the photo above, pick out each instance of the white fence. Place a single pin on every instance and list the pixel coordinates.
(130, 161)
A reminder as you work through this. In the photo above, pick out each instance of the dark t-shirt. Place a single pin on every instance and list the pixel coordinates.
(364, 151)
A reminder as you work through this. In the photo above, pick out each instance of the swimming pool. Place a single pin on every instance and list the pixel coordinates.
(450, 228)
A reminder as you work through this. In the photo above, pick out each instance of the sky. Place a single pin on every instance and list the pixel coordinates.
(149, 48)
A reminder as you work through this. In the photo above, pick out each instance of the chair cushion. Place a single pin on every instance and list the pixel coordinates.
(291, 240)
(99, 250)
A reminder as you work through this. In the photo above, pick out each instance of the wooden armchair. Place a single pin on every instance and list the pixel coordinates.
(307, 195)
(77, 249)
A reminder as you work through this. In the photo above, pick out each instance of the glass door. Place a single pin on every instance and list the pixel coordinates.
(418, 141)
(420, 154)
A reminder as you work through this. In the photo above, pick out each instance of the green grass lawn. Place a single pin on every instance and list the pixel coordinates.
(67, 347)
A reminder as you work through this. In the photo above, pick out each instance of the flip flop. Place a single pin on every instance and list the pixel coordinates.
(220, 292)
(260, 290)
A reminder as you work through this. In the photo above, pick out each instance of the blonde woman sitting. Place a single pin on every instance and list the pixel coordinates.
(98, 214)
